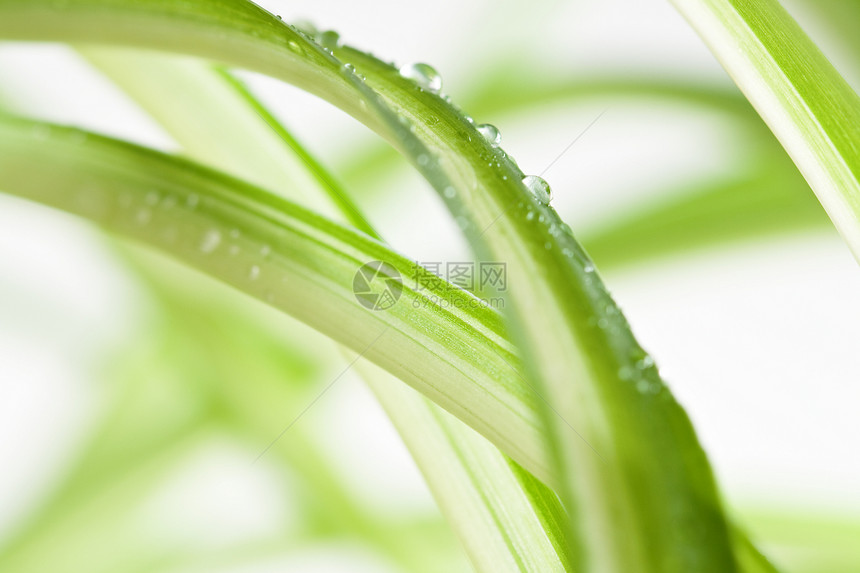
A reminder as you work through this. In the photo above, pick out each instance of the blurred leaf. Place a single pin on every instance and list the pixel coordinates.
(772, 199)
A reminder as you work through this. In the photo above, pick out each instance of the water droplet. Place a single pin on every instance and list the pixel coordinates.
(233, 250)
(423, 159)
(462, 222)
(192, 201)
(210, 241)
(490, 133)
(626, 373)
(254, 272)
(539, 188)
(530, 215)
(265, 251)
(567, 252)
(450, 192)
(152, 198)
(646, 362)
(349, 68)
(330, 40)
(588, 267)
(643, 386)
(234, 233)
(143, 216)
(547, 246)
(424, 75)
(296, 47)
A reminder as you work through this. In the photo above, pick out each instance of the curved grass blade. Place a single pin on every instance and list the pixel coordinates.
(476, 486)
(810, 108)
(632, 463)
(293, 260)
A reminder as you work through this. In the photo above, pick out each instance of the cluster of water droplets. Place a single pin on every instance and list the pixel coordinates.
(428, 79)
(642, 373)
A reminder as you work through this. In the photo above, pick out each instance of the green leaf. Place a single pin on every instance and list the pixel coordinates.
(810, 108)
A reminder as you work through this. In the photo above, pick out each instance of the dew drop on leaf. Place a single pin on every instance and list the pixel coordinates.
(254, 272)
(210, 241)
(424, 75)
(143, 216)
(490, 133)
(539, 188)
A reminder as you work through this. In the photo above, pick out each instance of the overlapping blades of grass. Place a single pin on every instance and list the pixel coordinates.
(479, 489)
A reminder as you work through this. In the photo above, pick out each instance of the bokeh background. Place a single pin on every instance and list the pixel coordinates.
(136, 396)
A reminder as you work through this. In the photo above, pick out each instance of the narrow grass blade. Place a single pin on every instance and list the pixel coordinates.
(812, 110)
